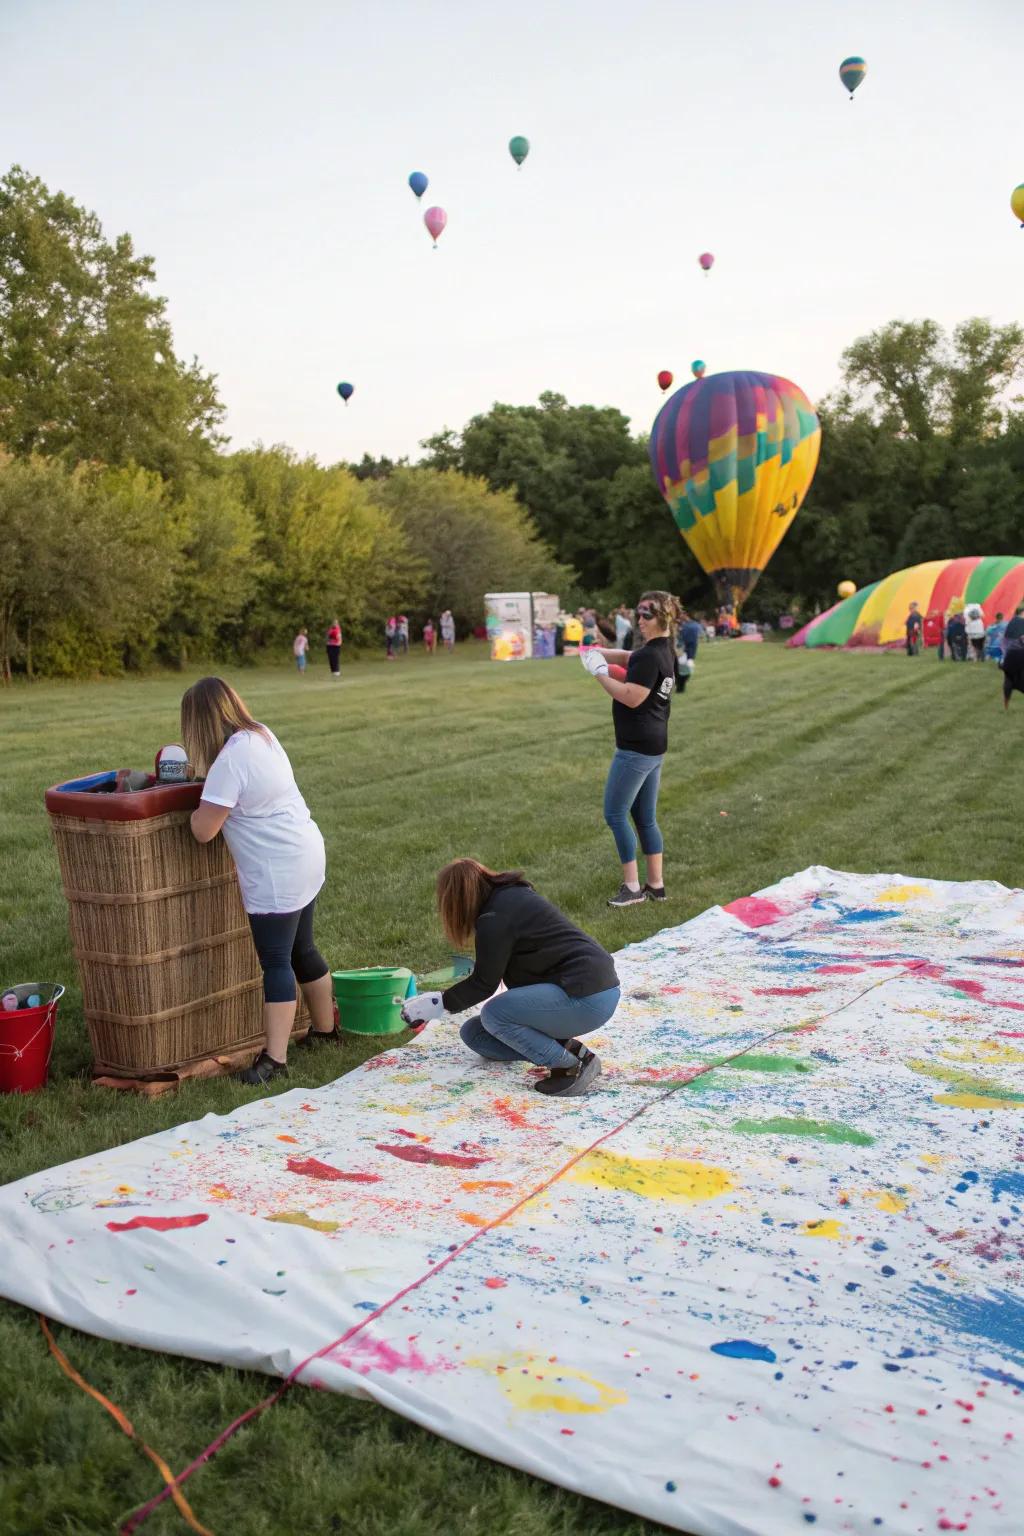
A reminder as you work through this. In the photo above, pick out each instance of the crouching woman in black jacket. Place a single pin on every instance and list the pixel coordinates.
(560, 982)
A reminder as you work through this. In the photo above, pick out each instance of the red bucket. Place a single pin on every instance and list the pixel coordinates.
(26, 1037)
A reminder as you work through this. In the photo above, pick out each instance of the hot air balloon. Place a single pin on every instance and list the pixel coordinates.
(346, 392)
(706, 260)
(419, 183)
(519, 148)
(435, 219)
(1017, 203)
(846, 588)
(698, 367)
(734, 455)
(664, 380)
(852, 72)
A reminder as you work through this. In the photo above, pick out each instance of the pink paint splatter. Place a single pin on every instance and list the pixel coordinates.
(157, 1223)
(312, 1168)
(839, 970)
(755, 911)
(389, 1059)
(495, 1283)
(365, 1354)
(785, 991)
(411, 1134)
(438, 1159)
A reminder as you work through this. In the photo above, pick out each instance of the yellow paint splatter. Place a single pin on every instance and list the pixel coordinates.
(220, 1192)
(399, 1109)
(980, 1052)
(902, 893)
(654, 1177)
(933, 1159)
(471, 1218)
(410, 1077)
(976, 1101)
(124, 1189)
(885, 1200)
(300, 1219)
(533, 1385)
(825, 1227)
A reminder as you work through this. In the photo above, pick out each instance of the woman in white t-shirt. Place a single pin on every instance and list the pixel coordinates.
(251, 796)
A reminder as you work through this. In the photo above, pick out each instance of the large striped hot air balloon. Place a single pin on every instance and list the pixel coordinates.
(875, 616)
(734, 455)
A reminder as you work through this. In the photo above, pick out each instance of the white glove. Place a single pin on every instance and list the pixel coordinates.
(594, 662)
(417, 1010)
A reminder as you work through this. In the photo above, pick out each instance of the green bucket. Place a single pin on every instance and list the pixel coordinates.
(370, 1001)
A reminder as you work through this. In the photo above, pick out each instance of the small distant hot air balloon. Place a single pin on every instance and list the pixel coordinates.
(852, 72)
(435, 219)
(698, 367)
(846, 588)
(346, 392)
(1017, 203)
(419, 183)
(664, 380)
(706, 260)
(519, 148)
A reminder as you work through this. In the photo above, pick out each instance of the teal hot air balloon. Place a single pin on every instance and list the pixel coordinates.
(852, 72)
(346, 391)
(519, 148)
(698, 367)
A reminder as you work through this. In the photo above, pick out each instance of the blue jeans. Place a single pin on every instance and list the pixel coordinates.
(633, 783)
(526, 1023)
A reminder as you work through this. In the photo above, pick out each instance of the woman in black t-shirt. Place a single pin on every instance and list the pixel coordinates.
(559, 982)
(640, 711)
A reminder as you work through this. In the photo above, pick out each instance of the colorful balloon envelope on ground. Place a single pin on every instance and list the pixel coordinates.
(1017, 202)
(518, 148)
(698, 367)
(435, 219)
(346, 392)
(734, 456)
(419, 183)
(852, 72)
(706, 260)
(664, 380)
(846, 588)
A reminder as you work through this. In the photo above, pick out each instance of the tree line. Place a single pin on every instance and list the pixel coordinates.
(130, 536)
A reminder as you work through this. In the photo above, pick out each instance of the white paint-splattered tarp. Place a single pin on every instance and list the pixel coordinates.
(784, 1291)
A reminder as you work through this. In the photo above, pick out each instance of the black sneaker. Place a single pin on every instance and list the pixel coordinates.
(571, 1082)
(624, 897)
(262, 1070)
(323, 1037)
(654, 892)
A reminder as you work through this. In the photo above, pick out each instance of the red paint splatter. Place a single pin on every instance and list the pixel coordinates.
(513, 1117)
(755, 911)
(411, 1134)
(566, 1431)
(157, 1223)
(312, 1168)
(775, 1482)
(420, 1154)
(839, 970)
(293, 1139)
(495, 1283)
(132, 1292)
(389, 1059)
(1010, 1034)
(785, 991)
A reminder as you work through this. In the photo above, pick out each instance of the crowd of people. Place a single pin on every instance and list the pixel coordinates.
(396, 641)
(962, 634)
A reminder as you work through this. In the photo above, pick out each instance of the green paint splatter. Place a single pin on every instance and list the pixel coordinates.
(966, 1082)
(458, 1089)
(712, 1082)
(753, 1063)
(821, 1130)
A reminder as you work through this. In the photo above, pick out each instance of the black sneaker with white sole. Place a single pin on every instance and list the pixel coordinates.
(624, 897)
(654, 892)
(262, 1071)
(571, 1082)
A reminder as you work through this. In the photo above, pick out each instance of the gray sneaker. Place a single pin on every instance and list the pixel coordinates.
(624, 897)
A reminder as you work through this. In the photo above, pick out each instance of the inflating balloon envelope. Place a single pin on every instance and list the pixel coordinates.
(734, 455)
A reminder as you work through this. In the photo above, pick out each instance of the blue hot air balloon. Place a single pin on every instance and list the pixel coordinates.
(419, 183)
(346, 392)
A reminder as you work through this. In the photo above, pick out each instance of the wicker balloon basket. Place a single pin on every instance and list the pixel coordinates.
(168, 969)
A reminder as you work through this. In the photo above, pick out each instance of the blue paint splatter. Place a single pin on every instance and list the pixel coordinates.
(847, 1365)
(1008, 1184)
(852, 1285)
(585, 1301)
(997, 1318)
(1002, 1376)
(888, 1270)
(367, 1306)
(744, 1349)
(865, 915)
(670, 1487)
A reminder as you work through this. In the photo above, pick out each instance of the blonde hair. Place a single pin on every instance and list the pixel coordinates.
(463, 887)
(211, 711)
(667, 609)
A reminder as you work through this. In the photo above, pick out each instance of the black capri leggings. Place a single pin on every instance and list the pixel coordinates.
(284, 944)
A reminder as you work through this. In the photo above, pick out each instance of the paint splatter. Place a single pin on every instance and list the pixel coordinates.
(998, 1317)
(820, 1130)
(654, 1177)
(495, 1283)
(822, 1228)
(158, 1223)
(750, 1062)
(744, 1349)
(300, 1219)
(312, 1168)
(365, 1354)
(505, 1112)
(755, 911)
(471, 1218)
(486, 1186)
(518, 1375)
(435, 1159)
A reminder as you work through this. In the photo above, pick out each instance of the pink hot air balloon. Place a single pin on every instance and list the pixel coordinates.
(706, 260)
(435, 219)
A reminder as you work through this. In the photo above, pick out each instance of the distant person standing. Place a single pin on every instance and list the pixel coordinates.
(956, 637)
(690, 632)
(429, 637)
(974, 622)
(402, 635)
(623, 628)
(300, 645)
(390, 637)
(1013, 670)
(914, 625)
(448, 630)
(1015, 629)
(994, 639)
(334, 650)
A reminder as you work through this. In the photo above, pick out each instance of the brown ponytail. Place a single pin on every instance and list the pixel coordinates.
(463, 888)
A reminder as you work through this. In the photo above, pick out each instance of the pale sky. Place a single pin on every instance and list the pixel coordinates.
(259, 151)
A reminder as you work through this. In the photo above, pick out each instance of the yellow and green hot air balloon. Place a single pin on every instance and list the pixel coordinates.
(734, 455)
(1017, 202)
(852, 72)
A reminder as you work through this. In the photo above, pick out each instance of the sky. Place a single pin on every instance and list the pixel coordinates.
(259, 150)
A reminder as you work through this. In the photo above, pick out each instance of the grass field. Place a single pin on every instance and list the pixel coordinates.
(861, 762)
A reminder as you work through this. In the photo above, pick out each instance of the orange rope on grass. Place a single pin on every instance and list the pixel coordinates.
(125, 1424)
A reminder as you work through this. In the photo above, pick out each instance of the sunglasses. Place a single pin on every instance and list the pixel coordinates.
(646, 613)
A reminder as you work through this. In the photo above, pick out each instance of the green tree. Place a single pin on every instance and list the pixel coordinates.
(87, 362)
(473, 540)
(220, 571)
